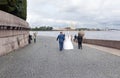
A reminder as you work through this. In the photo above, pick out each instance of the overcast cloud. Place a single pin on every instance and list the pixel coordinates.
(81, 13)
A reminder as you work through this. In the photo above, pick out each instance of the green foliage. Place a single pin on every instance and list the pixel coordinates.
(15, 7)
(3, 2)
(43, 28)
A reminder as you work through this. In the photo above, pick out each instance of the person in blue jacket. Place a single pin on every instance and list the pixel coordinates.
(61, 38)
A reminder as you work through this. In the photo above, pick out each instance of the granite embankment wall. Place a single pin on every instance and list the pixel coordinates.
(13, 33)
(105, 43)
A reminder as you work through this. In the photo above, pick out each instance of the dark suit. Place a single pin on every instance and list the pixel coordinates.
(79, 39)
(61, 39)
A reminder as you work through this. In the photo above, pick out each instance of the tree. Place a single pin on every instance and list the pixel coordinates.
(42, 28)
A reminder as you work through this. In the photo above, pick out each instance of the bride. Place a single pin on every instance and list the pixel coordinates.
(68, 42)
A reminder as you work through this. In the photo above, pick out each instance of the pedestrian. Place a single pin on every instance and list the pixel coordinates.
(61, 38)
(79, 40)
(29, 39)
(75, 37)
(68, 42)
(34, 37)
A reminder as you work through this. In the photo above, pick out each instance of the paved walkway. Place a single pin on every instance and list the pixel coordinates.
(43, 60)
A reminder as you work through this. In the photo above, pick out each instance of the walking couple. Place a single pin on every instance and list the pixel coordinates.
(65, 41)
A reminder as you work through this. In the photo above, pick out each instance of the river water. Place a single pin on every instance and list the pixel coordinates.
(103, 35)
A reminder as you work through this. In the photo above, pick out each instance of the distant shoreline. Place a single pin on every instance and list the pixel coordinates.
(75, 30)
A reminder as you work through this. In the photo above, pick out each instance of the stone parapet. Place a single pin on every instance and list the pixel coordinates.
(7, 19)
(14, 32)
(105, 43)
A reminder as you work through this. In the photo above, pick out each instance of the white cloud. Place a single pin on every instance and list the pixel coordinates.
(82, 12)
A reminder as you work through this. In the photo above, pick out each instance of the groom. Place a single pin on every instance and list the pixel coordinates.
(61, 38)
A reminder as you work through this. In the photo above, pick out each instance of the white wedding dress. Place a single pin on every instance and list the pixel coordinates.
(68, 43)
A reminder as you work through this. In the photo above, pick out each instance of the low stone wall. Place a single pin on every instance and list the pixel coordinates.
(13, 33)
(105, 43)
(8, 44)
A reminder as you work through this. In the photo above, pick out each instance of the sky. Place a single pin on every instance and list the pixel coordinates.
(76, 13)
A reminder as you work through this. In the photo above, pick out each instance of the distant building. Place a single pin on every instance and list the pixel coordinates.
(64, 29)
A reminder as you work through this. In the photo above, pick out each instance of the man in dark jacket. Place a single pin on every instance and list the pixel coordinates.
(79, 39)
(75, 37)
(29, 39)
(61, 38)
